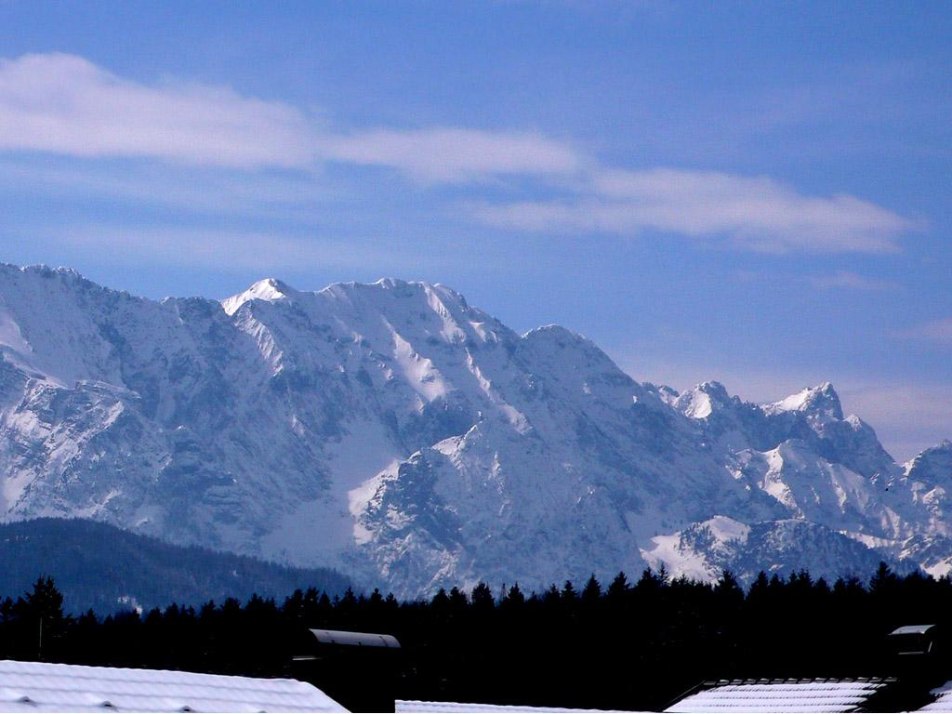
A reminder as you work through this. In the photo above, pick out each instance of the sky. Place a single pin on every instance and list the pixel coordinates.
(753, 193)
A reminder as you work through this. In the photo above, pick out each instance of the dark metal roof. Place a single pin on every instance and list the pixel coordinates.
(343, 638)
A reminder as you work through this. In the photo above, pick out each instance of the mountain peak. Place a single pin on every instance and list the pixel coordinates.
(394, 287)
(821, 400)
(268, 289)
(700, 402)
(427, 443)
(395, 284)
(932, 466)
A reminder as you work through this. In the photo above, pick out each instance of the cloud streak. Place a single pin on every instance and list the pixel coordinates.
(758, 213)
(448, 155)
(63, 104)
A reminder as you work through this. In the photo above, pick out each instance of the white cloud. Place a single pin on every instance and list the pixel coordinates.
(64, 104)
(449, 155)
(754, 213)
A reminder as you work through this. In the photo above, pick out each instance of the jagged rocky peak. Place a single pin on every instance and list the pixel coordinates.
(820, 401)
(287, 428)
(703, 400)
(933, 465)
(377, 294)
(33, 277)
(398, 286)
(268, 289)
(44, 271)
(558, 338)
(575, 359)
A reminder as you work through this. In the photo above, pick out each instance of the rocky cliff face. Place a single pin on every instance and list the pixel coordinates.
(397, 432)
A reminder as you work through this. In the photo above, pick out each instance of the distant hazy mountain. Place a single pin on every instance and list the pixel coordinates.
(396, 433)
(101, 567)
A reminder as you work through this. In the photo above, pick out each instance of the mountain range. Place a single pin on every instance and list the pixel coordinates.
(395, 433)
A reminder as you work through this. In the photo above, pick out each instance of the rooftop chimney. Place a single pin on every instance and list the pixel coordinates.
(357, 669)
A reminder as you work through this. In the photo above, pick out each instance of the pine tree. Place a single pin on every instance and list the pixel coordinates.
(592, 592)
(41, 612)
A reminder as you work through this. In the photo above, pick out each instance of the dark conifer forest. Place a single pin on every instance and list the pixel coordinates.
(629, 645)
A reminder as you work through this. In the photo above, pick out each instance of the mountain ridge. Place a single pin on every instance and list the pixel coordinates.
(395, 432)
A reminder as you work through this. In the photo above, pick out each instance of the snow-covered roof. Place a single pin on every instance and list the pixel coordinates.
(411, 705)
(44, 687)
(943, 702)
(912, 630)
(781, 696)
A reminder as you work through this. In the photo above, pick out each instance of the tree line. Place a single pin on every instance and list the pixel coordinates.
(625, 644)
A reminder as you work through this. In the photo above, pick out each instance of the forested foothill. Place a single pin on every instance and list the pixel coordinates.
(624, 644)
(105, 568)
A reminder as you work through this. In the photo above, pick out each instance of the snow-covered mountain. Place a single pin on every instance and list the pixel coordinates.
(394, 431)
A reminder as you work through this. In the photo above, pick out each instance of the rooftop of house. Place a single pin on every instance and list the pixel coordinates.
(811, 695)
(44, 687)
(421, 707)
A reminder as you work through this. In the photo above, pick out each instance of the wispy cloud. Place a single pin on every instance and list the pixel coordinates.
(847, 280)
(65, 105)
(753, 213)
(939, 331)
(449, 155)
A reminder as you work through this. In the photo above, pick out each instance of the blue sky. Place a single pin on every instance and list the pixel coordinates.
(756, 193)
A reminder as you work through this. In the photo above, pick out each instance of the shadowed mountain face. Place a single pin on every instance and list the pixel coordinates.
(394, 431)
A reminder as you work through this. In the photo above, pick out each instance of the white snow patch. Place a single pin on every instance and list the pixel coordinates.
(680, 560)
(450, 331)
(319, 531)
(13, 486)
(726, 529)
(699, 406)
(773, 482)
(800, 400)
(11, 336)
(667, 551)
(420, 373)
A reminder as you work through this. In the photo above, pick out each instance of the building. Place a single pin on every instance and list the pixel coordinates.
(44, 687)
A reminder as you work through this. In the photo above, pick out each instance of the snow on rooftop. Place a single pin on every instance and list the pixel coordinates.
(44, 687)
(408, 705)
(943, 702)
(912, 630)
(785, 696)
